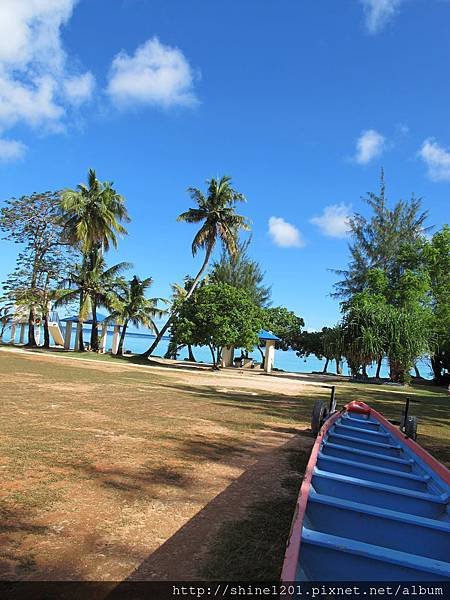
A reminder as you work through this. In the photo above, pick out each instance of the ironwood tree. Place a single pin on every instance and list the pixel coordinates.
(34, 223)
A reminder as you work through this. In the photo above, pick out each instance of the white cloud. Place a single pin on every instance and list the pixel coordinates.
(11, 150)
(79, 89)
(334, 221)
(437, 159)
(369, 145)
(35, 85)
(379, 13)
(155, 74)
(284, 234)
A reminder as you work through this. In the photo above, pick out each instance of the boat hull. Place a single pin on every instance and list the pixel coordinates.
(373, 506)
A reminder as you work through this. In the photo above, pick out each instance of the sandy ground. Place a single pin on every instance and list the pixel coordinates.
(202, 375)
(113, 471)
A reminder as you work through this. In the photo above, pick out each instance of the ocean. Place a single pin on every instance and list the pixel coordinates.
(288, 360)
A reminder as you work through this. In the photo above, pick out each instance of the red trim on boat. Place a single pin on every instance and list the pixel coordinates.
(357, 406)
(434, 464)
(293, 545)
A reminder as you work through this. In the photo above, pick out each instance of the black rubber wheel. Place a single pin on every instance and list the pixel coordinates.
(411, 427)
(319, 414)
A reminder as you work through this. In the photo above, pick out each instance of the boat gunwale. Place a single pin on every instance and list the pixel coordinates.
(291, 557)
(437, 467)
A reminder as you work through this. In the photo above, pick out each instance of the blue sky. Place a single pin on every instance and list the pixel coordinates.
(300, 102)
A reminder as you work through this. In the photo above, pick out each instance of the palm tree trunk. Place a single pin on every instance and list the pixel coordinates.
(94, 330)
(338, 367)
(327, 360)
(122, 339)
(417, 372)
(168, 323)
(80, 329)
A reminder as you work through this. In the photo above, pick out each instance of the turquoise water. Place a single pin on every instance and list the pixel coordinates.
(285, 360)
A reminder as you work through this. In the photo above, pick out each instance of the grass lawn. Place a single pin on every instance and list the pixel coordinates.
(111, 472)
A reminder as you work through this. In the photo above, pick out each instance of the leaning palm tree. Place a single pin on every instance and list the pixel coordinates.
(217, 213)
(132, 306)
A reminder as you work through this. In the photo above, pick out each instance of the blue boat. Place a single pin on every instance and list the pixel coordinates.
(373, 506)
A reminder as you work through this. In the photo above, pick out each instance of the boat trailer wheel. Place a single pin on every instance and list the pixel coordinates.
(319, 414)
(411, 427)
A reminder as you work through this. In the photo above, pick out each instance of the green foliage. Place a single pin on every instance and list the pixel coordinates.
(284, 324)
(242, 272)
(363, 329)
(408, 338)
(387, 288)
(373, 328)
(309, 342)
(218, 315)
(333, 344)
(437, 257)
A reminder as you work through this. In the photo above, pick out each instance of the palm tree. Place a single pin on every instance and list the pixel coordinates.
(103, 286)
(216, 212)
(132, 306)
(77, 283)
(94, 285)
(92, 215)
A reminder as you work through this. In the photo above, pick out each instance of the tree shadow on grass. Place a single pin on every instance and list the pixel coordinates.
(136, 482)
(242, 532)
(431, 408)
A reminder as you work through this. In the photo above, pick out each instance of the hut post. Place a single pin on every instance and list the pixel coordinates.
(269, 356)
(68, 335)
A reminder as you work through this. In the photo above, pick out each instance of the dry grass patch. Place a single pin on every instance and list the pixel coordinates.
(110, 472)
